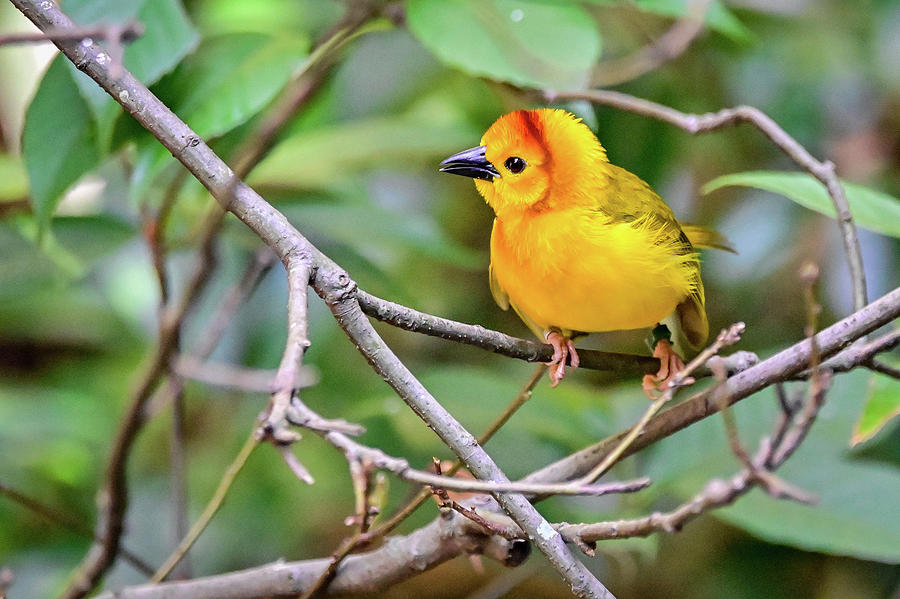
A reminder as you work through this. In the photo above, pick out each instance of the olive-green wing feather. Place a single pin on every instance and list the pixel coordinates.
(630, 199)
(500, 296)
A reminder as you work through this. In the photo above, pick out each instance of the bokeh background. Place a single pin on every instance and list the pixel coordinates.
(355, 171)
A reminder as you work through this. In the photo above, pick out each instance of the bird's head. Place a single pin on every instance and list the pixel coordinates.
(532, 159)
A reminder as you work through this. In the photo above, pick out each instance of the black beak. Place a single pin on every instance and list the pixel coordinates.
(470, 163)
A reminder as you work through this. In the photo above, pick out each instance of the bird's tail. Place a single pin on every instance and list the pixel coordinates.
(702, 237)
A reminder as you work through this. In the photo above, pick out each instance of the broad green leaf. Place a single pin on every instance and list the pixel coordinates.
(168, 34)
(59, 141)
(13, 178)
(168, 37)
(46, 242)
(69, 247)
(91, 237)
(509, 40)
(871, 209)
(882, 406)
(227, 81)
(230, 78)
(321, 157)
(22, 269)
(853, 516)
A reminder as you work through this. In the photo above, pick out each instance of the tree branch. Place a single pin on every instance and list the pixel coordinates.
(783, 366)
(521, 349)
(670, 45)
(443, 539)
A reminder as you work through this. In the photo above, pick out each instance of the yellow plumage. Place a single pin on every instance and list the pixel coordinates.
(580, 245)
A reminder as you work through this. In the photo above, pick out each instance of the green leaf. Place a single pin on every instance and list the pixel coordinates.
(230, 78)
(871, 209)
(168, 37)
(59, 141)
(168, 34)
(93, 236)
(227, 81)
(510, 40)
(47, 243)
(321, 157)
(882, 406)
(13, 178)
(853, 516)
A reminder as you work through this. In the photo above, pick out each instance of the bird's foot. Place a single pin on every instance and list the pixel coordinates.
(563, 351)
(670, 364)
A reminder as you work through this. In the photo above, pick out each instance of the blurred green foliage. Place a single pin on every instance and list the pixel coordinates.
(355, 172)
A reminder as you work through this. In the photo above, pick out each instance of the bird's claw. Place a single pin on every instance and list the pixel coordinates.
(563, 351)
(670, 364)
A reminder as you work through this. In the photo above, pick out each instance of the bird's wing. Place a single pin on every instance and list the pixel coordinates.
(630, 199)
(500, 296)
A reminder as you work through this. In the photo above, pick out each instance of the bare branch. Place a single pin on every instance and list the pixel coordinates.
(670, 45)
(704, 123)
(70, 523)
(725, 338)
(256, 380)
(862, 355)
(521, 349)
(404, 512)
(404, 557)
(878, 366)
(717, 493)
(783, 366)
(211, 508)
(339, 292)
(122, 33)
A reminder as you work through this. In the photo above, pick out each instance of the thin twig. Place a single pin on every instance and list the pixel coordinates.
(254, 380)
(781, 367)
(717, 493)
(404, 512)
(670, 45)
(78, 526)
(154, 229)
(727, 337)
(211, 508)
(878, 366)
(703, 123)
(334, 560)
(521, 349)
(123, 33)
(861, 354)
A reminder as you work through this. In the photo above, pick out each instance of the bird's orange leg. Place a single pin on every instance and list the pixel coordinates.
(669, 365)
(563, 351)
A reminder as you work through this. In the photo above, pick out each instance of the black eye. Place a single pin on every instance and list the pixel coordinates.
(514, 164)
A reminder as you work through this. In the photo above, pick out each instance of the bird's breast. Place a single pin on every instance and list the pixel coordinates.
(577, 270)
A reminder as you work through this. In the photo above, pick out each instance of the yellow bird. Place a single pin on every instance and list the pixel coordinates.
(580, 245)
